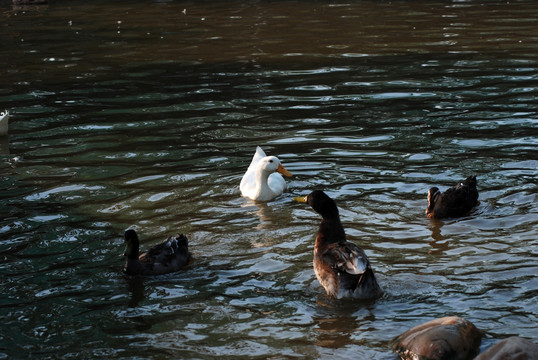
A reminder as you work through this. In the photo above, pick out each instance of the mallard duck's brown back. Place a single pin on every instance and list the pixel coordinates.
(456, 201)
(166, 257)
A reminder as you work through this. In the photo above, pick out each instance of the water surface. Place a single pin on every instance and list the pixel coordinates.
(146, 115)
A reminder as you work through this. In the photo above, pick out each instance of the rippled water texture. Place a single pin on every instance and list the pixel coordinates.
(143, 114)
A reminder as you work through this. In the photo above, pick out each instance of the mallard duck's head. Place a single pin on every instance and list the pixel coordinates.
(131, 244)
(433, 196)
(321, 203)
(271, 164)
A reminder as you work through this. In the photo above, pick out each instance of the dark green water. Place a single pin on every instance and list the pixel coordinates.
(135, 114)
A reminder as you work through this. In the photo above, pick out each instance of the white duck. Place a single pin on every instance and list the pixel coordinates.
(4, 118)
(263, 181)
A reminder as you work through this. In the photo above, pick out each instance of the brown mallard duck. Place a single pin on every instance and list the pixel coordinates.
(341, 267)
(454, 202)
(164, 258)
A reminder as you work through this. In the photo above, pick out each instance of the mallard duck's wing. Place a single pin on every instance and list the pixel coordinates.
(159, 251)
(469, 188)
(455, 201)
(460, 199)
(470, 182)
(248, 181)
(346, 258)
(166, 257)
(350, 274)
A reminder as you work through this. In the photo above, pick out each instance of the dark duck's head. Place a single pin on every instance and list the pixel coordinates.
(330, 229)
(433, 196)
(321, 203)
(132, 244)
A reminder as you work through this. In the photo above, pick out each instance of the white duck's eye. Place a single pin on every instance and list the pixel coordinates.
(271, 160)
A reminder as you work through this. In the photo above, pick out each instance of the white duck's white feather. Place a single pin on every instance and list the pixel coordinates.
(4, 119)
(249, 177)
(261, 181)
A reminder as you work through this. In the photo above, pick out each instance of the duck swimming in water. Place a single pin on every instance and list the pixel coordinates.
(167, 257)
(263, 180)
(454, 202)
(341, 267)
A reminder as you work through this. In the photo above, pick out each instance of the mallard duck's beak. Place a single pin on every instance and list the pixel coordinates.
(281, 169)
(301, 199)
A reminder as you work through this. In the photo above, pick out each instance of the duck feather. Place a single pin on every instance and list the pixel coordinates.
(341, 267)
(263, 180)
(166, 257)
(456, 201)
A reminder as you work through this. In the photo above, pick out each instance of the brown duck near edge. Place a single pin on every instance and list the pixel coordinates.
(341, 267)
(456, 201)
(164, 258)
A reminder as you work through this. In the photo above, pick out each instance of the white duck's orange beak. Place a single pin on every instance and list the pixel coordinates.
(281, 169)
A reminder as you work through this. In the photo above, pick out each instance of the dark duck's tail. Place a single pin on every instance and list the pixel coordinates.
(368, 283)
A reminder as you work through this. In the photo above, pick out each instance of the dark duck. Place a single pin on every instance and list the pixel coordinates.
(341, 267)
(164, 258)
(454, 202)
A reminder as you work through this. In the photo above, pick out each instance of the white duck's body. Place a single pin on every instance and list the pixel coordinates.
(4, 119)
(263, 180)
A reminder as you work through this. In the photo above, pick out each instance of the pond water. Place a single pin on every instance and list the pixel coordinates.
(146, 114)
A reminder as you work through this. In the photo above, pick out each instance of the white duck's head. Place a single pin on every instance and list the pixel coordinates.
(271, 164)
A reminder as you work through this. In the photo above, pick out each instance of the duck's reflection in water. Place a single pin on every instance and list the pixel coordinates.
(4, 145)
(343, 319)
(136, 290)
(335, 332)
(265, 214)
(271, 216)
(438, 243)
